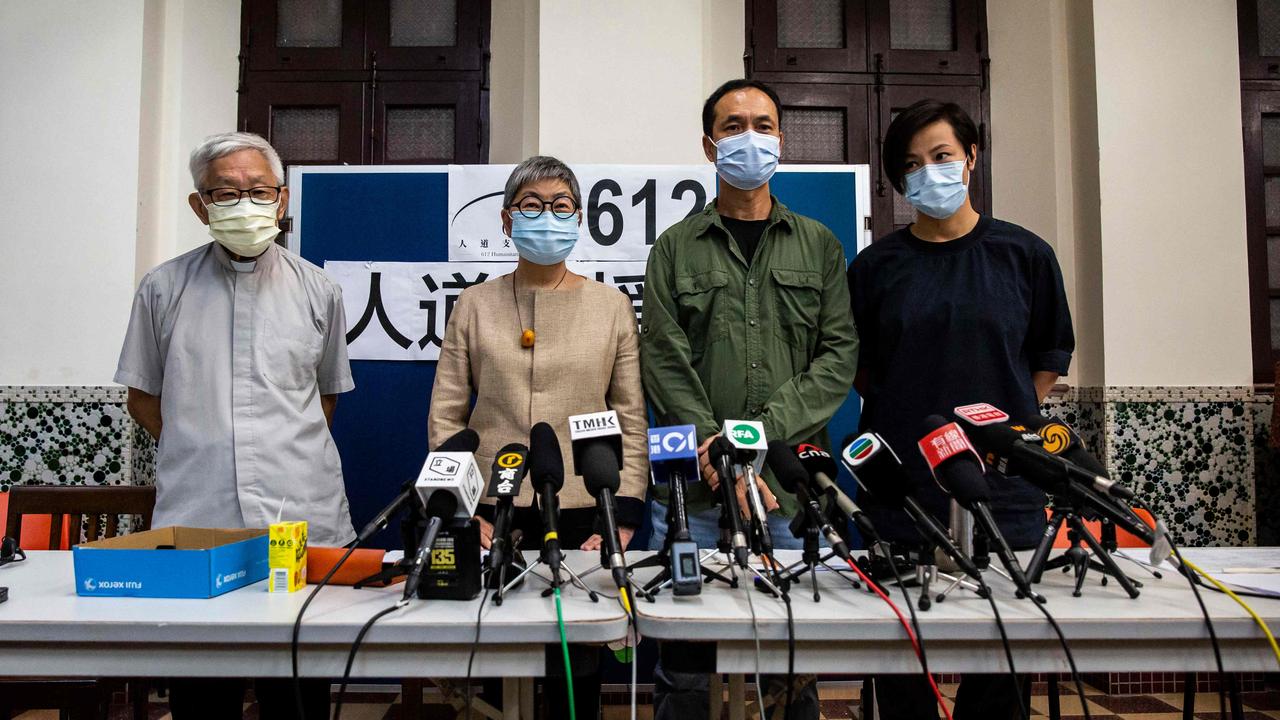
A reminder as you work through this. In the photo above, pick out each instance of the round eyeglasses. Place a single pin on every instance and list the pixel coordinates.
(531, 206)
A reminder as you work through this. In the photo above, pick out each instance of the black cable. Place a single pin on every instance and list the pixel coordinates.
(1213, 636)
(791, 656)
(791, 636)
(475, 644)
(911, 607)
(1071, 660)
(1208, 621)
(351, 656)
(1008, 651)
(297, 627)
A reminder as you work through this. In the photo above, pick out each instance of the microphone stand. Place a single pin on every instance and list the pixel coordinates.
(574, 579)
(1075, 557)
(803, 526)
(677, 529)
(975, 546)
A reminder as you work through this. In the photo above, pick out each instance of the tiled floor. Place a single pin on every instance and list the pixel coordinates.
(837, 702)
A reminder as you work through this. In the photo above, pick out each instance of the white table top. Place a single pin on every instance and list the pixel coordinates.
(44, 619)
(850, 629)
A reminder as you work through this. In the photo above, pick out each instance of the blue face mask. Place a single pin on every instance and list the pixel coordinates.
(937, 190)
(747, 160)
(545, 239)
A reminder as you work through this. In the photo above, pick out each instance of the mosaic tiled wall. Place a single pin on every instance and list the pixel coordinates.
(65, 436)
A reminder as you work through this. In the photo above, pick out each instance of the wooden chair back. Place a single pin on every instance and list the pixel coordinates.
(75, 503)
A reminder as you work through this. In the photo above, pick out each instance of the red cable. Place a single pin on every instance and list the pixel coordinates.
(915, 643)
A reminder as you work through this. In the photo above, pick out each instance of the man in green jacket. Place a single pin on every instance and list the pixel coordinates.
(746, 317)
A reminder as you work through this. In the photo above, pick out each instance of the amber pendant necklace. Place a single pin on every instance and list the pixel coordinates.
(527, 336)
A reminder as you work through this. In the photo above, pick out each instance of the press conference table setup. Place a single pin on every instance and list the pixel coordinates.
(47, 630)
(852, 631)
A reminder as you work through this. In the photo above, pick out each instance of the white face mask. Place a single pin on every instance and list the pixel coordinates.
(244, 229)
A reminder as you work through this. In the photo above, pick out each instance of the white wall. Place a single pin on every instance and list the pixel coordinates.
(624, 82)
(69, 125)
(1031, 154)
(513, 81)
(189, 93)
(1172, 193)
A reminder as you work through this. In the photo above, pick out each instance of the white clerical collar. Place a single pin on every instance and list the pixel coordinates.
(244, 266)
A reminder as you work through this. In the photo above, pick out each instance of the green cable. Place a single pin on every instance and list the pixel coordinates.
(564, 647)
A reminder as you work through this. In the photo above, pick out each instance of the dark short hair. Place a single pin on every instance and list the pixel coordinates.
(893, 152)
(709, 107)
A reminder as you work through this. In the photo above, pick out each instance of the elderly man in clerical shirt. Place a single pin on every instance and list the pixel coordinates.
(234, 358)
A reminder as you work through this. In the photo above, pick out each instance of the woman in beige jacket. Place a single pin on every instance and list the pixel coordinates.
(539, 345)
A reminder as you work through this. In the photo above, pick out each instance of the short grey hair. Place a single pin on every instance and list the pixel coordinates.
(540, 167)
(223, 144)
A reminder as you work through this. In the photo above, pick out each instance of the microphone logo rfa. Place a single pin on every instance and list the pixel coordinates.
(745, 434)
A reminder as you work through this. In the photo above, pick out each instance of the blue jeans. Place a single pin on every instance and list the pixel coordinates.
(704, 528)
(686, 695)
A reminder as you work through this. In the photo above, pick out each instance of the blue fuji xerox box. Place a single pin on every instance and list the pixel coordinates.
(171, 562)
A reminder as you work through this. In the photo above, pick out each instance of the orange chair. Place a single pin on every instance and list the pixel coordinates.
(35, 528)
(1124, 538)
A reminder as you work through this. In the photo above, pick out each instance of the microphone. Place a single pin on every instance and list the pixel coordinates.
(1024, 449)
(465, 440)
(958, 469)
(878, 470)
(794, 478)
(505, 478)
(747, 438)
(673, 460)
(440, 506)
(546, 472)
(721, 454)
(597, 457)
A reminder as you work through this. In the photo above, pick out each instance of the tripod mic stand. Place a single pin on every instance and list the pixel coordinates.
(811, 555)
(1076, 558)
(677, 531)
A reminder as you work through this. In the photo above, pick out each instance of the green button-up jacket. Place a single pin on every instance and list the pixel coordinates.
(773, 340)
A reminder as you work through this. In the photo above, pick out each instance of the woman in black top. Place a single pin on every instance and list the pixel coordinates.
(957, 308)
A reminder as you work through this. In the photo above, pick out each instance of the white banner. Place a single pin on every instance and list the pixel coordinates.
(398, 311)
(625, 208)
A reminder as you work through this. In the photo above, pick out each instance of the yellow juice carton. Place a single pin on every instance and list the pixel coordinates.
(287, 556)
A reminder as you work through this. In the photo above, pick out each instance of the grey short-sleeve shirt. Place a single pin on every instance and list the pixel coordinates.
(240, 354)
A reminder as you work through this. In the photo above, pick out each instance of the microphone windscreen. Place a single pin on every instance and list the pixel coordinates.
(546, 463)
(442, 504)
(960, 475)
(786, 466)
(816, 460)
(721, 448)
(883, 476)
(465, 440)
(1059, 439)
(599, 467)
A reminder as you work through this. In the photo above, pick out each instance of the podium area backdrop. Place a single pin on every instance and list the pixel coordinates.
(365, 225)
